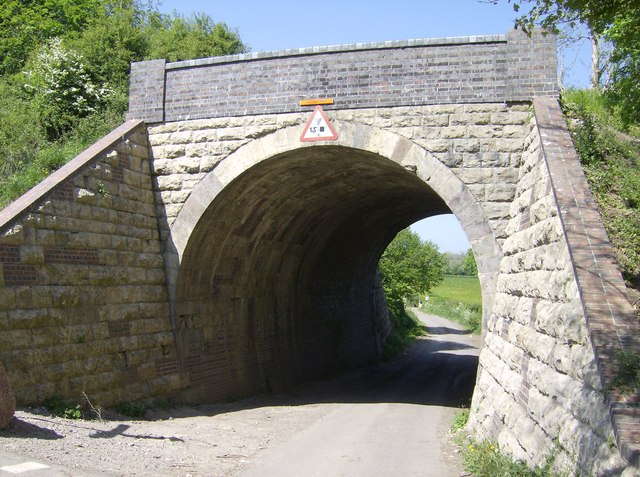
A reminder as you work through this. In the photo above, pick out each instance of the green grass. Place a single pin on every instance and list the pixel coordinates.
(484, 459)
(459, 288)
(459, 299)
(610, 155)
(405, 327)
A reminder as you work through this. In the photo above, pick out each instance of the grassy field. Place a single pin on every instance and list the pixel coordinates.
(459, 288)
(459, 299)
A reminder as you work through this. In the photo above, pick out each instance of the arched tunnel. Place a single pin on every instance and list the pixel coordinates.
(278, 282)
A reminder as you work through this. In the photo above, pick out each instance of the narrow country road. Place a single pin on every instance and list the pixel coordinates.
(389, 420)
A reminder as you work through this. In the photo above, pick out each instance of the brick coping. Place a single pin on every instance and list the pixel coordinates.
(316, 50)
(19, 206)
(611, 319)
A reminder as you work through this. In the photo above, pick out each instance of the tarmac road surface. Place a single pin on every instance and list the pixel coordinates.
(391, 421)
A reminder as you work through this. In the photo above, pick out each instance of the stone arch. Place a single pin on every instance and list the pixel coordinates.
(227, 219)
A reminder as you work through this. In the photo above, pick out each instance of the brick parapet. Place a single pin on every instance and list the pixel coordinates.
(493, 68)
(611, 318)
(146, 94)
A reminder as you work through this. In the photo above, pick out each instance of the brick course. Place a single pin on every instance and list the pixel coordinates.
(478, 69)
(276, 281)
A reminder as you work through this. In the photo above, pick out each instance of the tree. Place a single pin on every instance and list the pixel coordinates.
(64, 74)
(175, 38)
(617, 22)
(62, 89)
(469, 264)
(410, 267)
(25, 25)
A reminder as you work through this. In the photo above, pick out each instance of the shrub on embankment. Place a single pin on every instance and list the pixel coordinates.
(609, 150)
(64, 74)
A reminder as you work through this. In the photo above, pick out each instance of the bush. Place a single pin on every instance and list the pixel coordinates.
(469, 316)
(62, 89)
(484, 459)
(405, 327)
(611, 161)
(59, 407)
(34, 167)
(629, 374)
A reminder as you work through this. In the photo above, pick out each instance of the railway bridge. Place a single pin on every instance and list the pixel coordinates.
(224, 240)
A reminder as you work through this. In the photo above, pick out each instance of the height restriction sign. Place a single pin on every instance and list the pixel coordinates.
(318, 128)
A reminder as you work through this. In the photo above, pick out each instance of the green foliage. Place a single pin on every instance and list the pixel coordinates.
(611, 161)
(58, 406)
(64, 74)
(629, 374)
(405, 327)
(469, 265)
(459, 299)
(463, 289)
(460, 263)
(625, 75)
(25, 25)
(28, 167)
(469, 316)
(61, 89)
(484, 459)
(409, 267)
(20, 131)
(177, 38)
(454, 263)
(115, 37)
(617, 22)
(127, 32)
(460, 421)
(134, 410)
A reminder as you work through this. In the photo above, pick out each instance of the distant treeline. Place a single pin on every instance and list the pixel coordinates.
(460, 263)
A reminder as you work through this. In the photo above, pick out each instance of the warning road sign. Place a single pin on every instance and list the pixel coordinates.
(318, 128)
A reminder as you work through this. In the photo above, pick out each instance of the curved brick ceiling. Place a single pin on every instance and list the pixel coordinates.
(283, 264)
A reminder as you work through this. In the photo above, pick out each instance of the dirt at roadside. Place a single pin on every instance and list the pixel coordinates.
(225, 439)
(203, 441)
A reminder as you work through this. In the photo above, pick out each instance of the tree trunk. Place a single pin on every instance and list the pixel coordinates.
(595, 60)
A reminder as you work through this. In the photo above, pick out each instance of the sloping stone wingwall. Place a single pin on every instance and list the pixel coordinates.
(83, 302)
(540, 393)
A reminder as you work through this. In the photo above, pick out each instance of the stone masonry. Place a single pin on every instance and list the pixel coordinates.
(538, 380)
(206, 253)
(83, 303)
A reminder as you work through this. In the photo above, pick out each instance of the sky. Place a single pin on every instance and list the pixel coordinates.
(281, 24)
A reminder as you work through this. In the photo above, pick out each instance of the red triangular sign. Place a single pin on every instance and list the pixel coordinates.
(318, 128)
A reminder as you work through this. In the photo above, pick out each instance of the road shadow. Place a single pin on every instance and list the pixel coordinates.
(120, 430)
(20, 429)
(431, 372)
(442, 330)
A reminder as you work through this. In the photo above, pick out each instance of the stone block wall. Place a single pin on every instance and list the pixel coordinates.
(83, 301)
(539, 392)
(481, 143)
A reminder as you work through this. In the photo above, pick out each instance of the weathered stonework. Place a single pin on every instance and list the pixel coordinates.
(7, 399)
(210, 254)
(83, 304)
(539, 393)
(481, 143)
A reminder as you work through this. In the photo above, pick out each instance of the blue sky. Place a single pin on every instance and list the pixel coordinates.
(281, 24)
